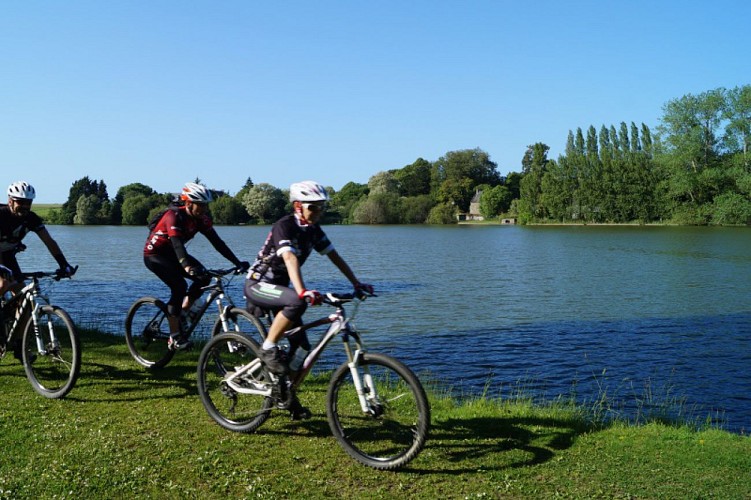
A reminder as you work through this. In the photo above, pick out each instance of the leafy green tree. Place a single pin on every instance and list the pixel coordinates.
(124, 192)
(443, 213)
(227, 210)
(535, 164)
(414, 179)
(86, 210)
(83, 187)
(737, 114)
(731, 208)
(383, 182)
(377, 208)
(458, 192)
(455, 176)
(265, 203)
(136, 209)
(512, 181)
(415, 209)
(343, 202)
(690, 128)
(494, 201)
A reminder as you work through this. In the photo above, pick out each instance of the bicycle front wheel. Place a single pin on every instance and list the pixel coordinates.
(147, 333)
(233, 385)
(239, 320)
(393, 428)
(51, 353)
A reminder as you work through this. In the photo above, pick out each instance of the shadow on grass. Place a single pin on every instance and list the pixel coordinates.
(469, 441)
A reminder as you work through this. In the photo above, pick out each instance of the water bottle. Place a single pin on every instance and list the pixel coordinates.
(194, 310)
(299, 347)
(297, 358)
(188, 317)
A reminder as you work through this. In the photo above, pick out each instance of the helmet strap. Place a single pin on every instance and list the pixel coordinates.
(299, 214)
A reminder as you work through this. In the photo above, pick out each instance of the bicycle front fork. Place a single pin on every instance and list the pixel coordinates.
(366, 390)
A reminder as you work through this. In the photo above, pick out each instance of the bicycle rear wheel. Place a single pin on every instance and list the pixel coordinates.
(147, 333)
(394, 429)
(220, 392)
(51, 355)
(239, 320)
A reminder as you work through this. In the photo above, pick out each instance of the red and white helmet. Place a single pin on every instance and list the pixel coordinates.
(21, 190)
(196, 193)
(307, 191)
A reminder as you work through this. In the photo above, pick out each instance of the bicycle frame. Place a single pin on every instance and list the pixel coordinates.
(29, 297)
(216, 295)
(338, 323)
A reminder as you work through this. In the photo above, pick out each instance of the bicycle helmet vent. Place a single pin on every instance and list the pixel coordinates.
(21, 190)
(196, 193)
(307, 191)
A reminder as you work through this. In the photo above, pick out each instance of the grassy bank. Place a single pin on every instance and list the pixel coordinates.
(125, 432)
(43, 209)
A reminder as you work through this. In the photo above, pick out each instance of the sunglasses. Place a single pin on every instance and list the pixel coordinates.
(314, 207)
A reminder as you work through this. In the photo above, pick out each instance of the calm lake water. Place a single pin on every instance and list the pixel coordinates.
(643, 315)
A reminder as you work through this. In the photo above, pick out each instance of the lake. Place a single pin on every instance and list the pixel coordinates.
(654, 318)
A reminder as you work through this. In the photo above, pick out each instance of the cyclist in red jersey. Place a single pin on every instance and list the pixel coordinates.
(165, 255)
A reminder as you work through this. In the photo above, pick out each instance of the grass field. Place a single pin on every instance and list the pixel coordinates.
(125, 432)
(43, 209)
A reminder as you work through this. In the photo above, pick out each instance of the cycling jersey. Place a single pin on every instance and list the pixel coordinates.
(13, 229)
(175, 224)
(287, 235)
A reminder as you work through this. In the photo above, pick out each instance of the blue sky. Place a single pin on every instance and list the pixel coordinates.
(162, 92)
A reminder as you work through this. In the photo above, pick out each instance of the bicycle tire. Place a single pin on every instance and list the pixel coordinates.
(239, 320)
(147, 334)
(396, 429)
(53, 370)
(234, 411)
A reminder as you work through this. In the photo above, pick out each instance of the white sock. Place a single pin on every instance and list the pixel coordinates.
(267, 344)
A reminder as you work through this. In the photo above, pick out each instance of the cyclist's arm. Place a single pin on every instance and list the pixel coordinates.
(221, 246)
(53, 248)
(293, 270)
(339, 262)
(180, 252)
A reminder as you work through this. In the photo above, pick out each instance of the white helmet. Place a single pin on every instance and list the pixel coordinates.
(196, 193)
(21, 190)
(307, 191)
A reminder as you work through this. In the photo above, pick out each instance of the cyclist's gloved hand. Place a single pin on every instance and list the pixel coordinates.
(364, 288)
(67, 271)
(197, 270)
(312, 297)
(244, 266)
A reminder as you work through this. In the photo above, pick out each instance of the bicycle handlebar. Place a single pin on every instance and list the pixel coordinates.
(335, 299)
(56, 275)
(224, 272)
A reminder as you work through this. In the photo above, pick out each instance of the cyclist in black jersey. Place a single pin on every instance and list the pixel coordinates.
(16, 221)
(287, 247)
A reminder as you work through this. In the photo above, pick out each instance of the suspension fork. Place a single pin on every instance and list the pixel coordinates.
(364, 386)
(41, 348)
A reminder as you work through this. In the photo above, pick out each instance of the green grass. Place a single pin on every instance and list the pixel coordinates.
(43, 209)
(124, 432)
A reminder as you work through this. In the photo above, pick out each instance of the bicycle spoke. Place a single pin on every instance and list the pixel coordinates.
(393, 429)
(221, 359)
(52, 372)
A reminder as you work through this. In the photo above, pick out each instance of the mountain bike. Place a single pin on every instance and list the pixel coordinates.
(50, 349)
(375, 405)
(147, 330)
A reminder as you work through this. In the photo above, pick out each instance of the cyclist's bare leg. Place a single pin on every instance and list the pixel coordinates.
(280, 325)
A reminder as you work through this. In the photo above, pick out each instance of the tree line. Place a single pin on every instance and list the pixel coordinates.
(695, 169)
